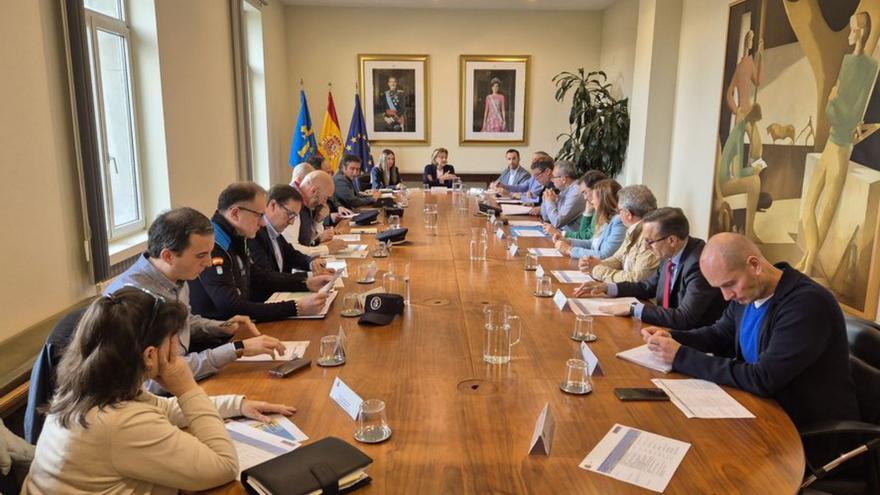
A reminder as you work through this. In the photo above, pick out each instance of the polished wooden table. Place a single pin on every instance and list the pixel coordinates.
(461, 425)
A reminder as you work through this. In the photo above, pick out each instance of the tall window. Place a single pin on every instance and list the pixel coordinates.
(109, 37)
(255, 77)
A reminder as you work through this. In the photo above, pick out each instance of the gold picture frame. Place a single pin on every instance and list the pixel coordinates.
(503, 111)
(386, 123)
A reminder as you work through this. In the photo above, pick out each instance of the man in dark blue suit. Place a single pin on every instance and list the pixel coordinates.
(684, 298)
(783, 336)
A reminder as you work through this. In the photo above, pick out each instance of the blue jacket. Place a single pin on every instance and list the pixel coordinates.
(602, 246)
(520, 176)
(803, 355)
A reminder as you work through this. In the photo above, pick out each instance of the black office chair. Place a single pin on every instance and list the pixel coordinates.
(844, 474)
(42, 384)
(364, 182)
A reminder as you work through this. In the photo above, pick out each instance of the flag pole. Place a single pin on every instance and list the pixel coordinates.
(300, 83)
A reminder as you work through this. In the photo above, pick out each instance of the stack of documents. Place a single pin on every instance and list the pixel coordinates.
(256, 446)
(353, 251)
(571, 276)
(293, 350)
(338, 265)
(702, 399)
(296, 296)
(637, 457)
(524, 223)
(347, 237)
(593, 306)
(515, 209)
(527, 232)
(546, 252)
(643, 356)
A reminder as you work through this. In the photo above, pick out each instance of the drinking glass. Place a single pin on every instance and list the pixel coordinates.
(577, 377)
(544, 286)
(583, 329)
(393, 221)
(531, 262)
(406, 287)
(372, 425)
(367, 273)
(332, 351)
(351, 305)
(426, 187)
(390, 283)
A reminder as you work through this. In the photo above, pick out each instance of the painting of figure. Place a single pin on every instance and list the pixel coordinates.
(394, 90)
(798, 163)
(493, 105)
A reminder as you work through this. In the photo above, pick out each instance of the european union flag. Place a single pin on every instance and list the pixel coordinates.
(304, 144)
(357, 143)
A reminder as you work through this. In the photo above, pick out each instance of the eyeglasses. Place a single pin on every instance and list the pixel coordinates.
(291, 215)
(257, 213)
(157, 301)
(650, 242)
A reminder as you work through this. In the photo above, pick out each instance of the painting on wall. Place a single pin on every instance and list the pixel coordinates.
(798, 163)
(394, 90)
(493, 99)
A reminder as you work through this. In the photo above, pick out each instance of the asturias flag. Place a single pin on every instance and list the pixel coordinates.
(358, 143)
(304, 145)
(330, 139)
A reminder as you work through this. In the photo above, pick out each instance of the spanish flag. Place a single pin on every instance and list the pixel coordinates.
(330, 139)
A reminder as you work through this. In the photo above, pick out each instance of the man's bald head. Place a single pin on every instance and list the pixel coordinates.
(300, 171)
(735, 265)
(318, 186)
(733, 250)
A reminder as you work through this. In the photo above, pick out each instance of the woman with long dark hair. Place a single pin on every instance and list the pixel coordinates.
(105, 434)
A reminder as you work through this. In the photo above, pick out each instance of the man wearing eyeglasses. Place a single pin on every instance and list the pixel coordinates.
(269, 248)
(179, 248)
(234, 284)
(684, 297)
(563, 209)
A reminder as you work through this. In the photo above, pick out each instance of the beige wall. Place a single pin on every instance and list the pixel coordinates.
(198, 94)
(618, 47)
(320, 49)
(42, 249)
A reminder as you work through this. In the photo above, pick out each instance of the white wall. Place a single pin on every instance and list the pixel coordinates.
(618, 45)
(323, 44)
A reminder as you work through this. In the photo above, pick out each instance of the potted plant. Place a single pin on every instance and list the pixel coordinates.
(598, 123)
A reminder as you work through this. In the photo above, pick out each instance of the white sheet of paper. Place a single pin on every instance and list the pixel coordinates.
(353, 251)
(280, 426)
(256, 447)
(508, 201)
(296, 296)
(591, 359)
(339, 265)
(529, 233)
(643, 356)
(348, 237)
(702, 399)
(637, 457)
(515, 209)
(539, 270)
(386, 195)
(546, 252)
(440, 189)
(363, 230)
(524, 223)
(593, 305)
(293, 350)
(571, 276)
(343, 395)
(560, 300)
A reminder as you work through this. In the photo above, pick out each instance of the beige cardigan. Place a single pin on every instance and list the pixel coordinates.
(139, 448)
(633, 261)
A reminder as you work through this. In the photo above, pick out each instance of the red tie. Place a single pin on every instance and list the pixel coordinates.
(670, 267)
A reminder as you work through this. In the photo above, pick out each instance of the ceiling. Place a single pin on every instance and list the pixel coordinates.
(462, 4)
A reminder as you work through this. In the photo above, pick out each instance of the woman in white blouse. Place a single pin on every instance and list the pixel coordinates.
(105, 434)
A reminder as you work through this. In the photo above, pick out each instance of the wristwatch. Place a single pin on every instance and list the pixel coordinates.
(632, 309)
(239, 347)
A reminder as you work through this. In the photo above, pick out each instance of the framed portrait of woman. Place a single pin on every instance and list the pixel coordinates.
(394, 91)
(494, 99)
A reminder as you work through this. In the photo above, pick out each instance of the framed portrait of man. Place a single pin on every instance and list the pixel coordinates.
(394, 91)
(494, 99)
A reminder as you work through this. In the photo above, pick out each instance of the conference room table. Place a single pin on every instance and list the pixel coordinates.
(461, 425)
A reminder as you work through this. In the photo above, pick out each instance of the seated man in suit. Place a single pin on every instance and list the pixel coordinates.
(532, 189)
(229, 287)
(563, 210)
(269, 249)
(315, 188)
(347, 191)
(783, 336)
(684, 298)
(179, 245)
(513, 173)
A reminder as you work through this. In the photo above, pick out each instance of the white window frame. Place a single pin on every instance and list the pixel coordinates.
(97, 21)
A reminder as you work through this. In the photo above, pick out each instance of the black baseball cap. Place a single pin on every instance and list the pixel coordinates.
(380, 309)
(365, 218)
(394, 235)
